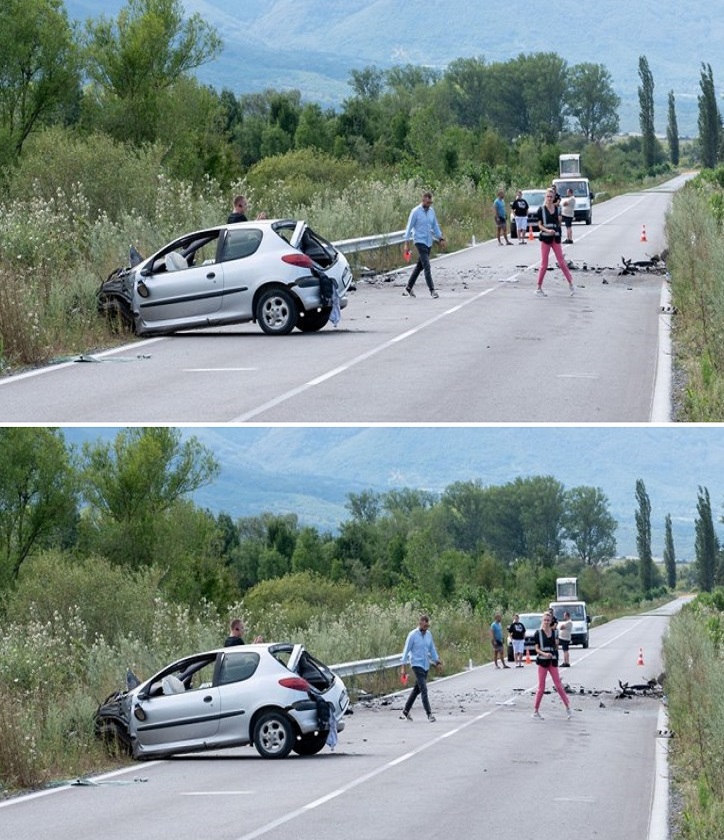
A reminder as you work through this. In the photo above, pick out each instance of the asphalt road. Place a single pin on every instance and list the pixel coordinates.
(484, 768)
(488, 350)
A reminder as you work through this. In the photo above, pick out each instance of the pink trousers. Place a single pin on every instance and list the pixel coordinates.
(543, 672)
(545, 249)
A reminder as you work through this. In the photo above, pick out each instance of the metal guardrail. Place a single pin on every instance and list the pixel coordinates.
(367, 666)
(369, 243)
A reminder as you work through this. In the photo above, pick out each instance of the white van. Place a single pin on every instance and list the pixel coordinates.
(582, 193)
(579, 616)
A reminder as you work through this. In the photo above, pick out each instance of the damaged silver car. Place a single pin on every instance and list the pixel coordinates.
(279, 273)
(277, 697)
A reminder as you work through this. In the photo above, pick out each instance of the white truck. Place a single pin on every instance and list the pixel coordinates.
(569, 170)
(567, 601)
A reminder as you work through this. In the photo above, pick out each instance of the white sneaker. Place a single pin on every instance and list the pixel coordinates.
(540, 293)
(571, 290)
(537, 715)
(569, 714)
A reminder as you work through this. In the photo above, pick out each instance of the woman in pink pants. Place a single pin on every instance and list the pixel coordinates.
(549, 223)
(546, 649)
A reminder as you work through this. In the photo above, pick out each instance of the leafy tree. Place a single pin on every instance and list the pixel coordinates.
(593, 102)
(672, 131)
(133, 481)
(710, 123)
(39, 69)
(367, 83)
(544, 93)
(669, 553)
(643, 537)
(646, 113)
(588, 524)
(468, 82)
(314, 129)
(135, 60)
(706, 544)
(37, 495)
(541, 506)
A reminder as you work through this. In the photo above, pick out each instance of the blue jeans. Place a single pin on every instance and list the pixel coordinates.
(420, 688)
(423, 264)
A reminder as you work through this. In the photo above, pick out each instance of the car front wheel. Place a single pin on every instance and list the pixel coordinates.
(276, 312)
(273, 736)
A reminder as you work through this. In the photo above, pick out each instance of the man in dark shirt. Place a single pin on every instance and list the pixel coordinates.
(517, 638)
(236, 628)
(239, 212)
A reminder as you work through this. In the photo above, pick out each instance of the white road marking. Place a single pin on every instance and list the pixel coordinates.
(249, 415)
(303, 809)
(217, 370)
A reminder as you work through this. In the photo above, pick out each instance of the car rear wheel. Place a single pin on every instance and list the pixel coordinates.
(313, 321)
(310, 744)
(276, 312)
(273, 736)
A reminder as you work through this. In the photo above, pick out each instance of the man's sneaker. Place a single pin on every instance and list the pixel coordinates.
(406, 716)
(571, 290)
(569, 713)
(434, 294)
(540, 293)
(431, 718)
(408, 291)
(537, 715)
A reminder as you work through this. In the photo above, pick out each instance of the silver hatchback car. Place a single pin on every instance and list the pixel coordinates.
(277, 697)
(279, 273)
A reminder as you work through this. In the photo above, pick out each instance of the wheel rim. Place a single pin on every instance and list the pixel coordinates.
(276, 312)
(273, 736)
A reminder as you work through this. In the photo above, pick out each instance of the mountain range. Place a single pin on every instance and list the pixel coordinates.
(311, 46)
(310, 470)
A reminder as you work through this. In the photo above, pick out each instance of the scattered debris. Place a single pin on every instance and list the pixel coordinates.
(653, 265)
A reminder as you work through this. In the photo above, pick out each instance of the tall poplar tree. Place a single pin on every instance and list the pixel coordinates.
(672, 131)
(710, 125)
(643, 537)
(646, 114)
(706, 543)
(669, 553)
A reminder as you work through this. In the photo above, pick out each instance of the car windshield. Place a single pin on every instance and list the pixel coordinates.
(580, 188)
(531, 621)
(576, 611)
(534, 197)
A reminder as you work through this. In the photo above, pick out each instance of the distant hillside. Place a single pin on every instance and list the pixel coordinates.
(310, 471)
(311, 45)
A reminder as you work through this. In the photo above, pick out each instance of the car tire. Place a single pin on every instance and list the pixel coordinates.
(513, 234)
(589, 218)
(118, 313)
(115, 738)
(276, 312)
(313, 320)
(511, 658)
(273, 735)
(310, 744)
(585, 643)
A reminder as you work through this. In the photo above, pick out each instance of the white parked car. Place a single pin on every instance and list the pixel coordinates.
(277, 697)
(279, 273)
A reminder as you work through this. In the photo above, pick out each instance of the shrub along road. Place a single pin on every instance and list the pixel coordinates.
(488, 350)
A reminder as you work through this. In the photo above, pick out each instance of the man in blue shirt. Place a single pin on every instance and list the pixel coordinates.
(423, 228)
(496, 637)
(420, 652)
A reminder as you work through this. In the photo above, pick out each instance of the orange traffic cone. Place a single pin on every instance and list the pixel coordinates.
(643, 233)
(530, 234)
(641, 657)
(527, 656)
